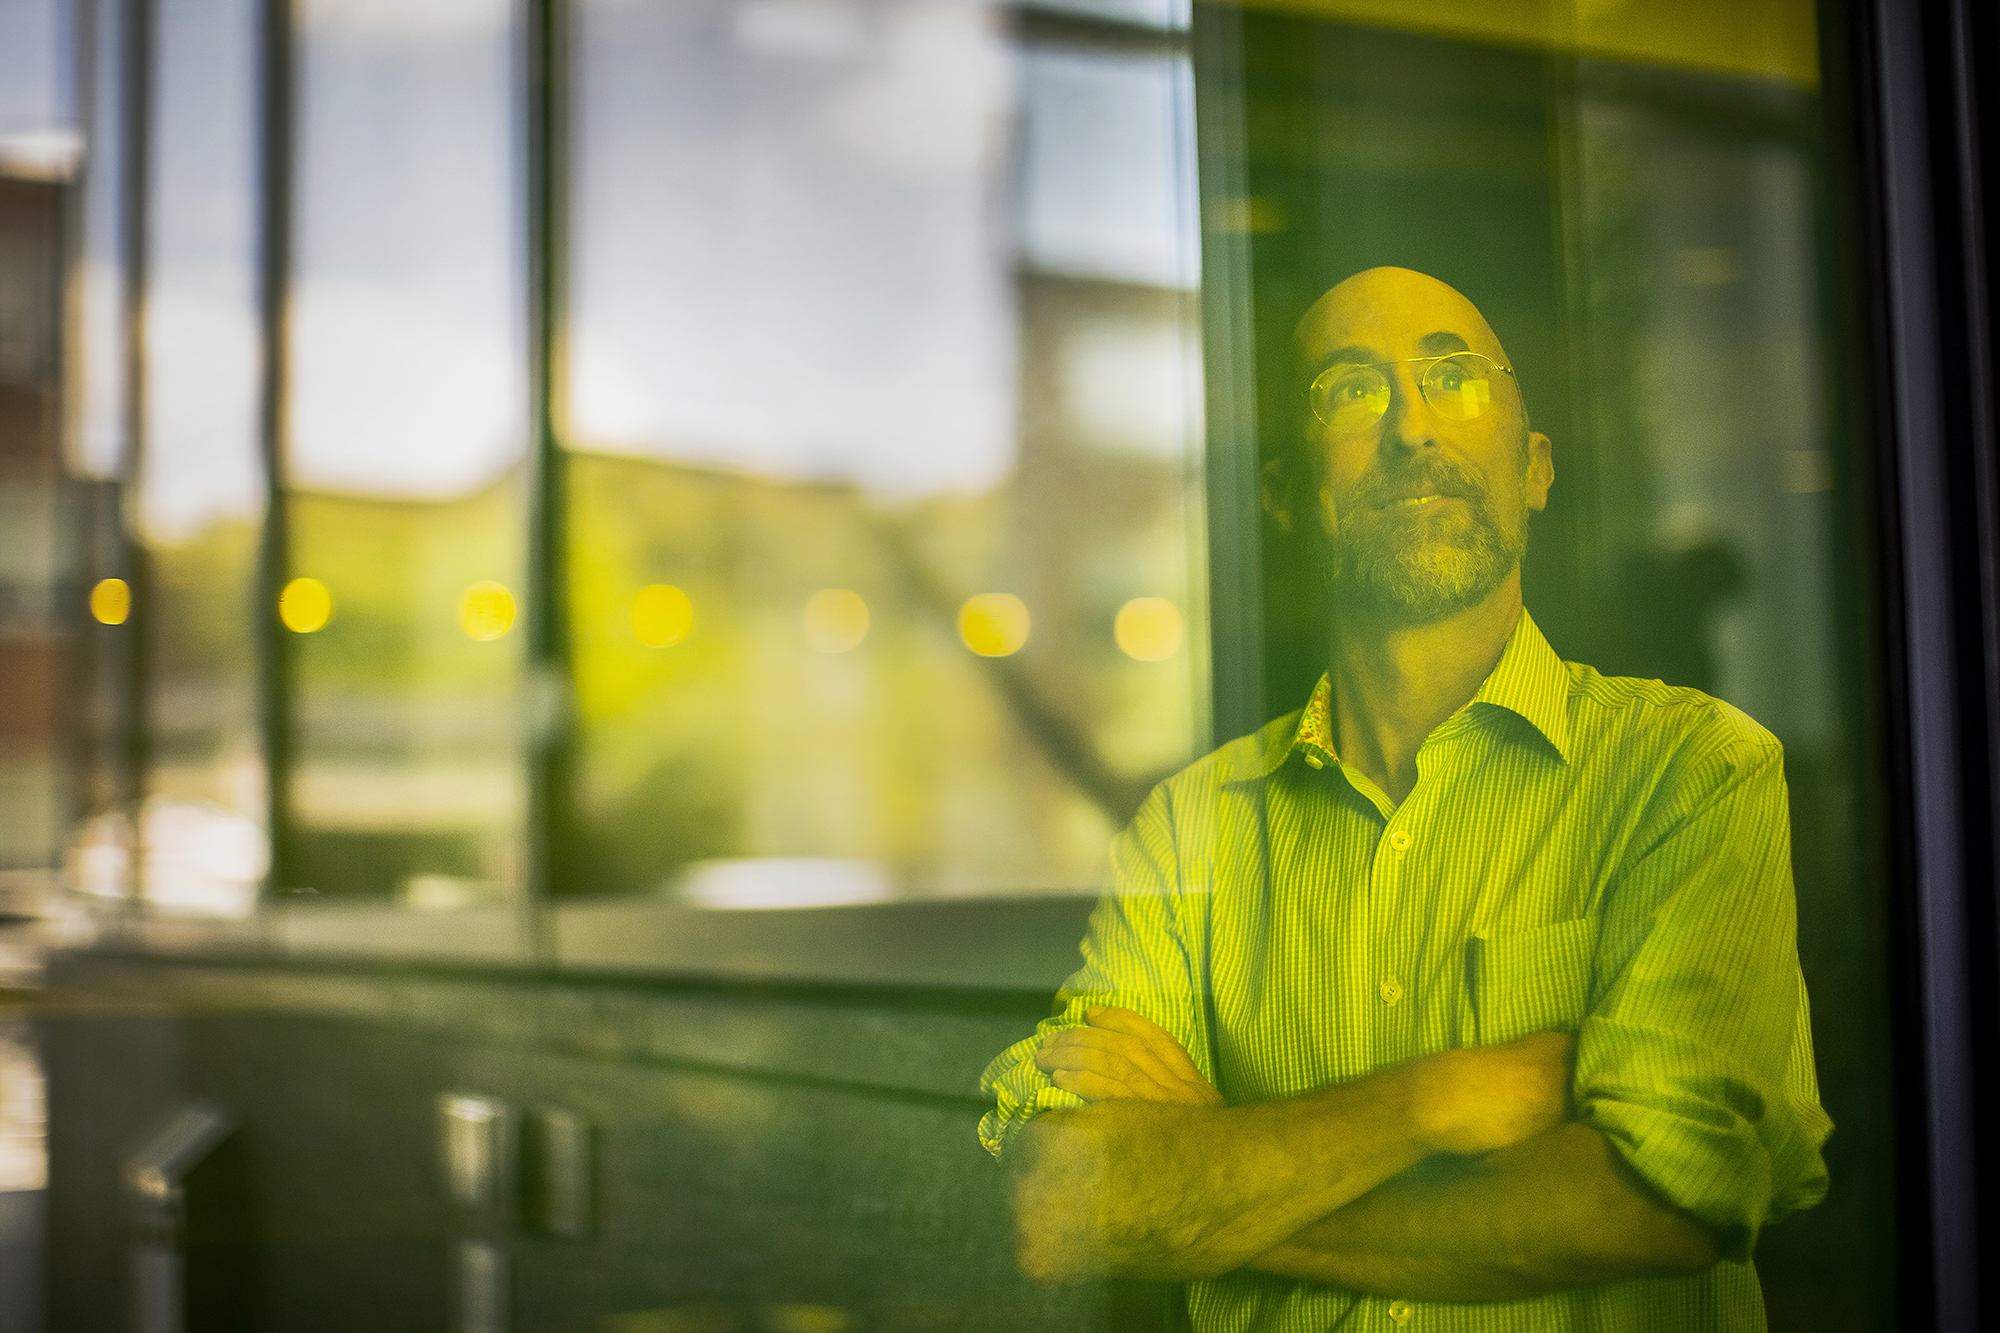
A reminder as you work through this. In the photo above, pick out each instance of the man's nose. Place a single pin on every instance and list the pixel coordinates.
(1409, 422)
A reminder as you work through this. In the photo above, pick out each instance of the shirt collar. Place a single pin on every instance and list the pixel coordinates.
(1529, 680)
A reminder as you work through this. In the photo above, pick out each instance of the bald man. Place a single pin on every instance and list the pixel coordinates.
(1467, 996)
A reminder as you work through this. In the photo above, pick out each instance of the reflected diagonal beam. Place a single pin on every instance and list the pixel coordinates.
(1064, 744)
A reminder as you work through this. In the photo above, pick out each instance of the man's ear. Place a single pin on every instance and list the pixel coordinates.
(1541, 470)
(1275, 492)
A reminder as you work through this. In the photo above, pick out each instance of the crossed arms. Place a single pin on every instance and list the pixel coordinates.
(1158, 1178)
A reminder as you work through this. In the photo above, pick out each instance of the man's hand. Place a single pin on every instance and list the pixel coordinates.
(1485, 1098)
(1124, 1055)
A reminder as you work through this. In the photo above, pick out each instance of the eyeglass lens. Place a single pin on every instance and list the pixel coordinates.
(1352, 398)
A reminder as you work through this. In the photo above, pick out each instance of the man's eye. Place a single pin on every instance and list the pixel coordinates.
(1451, 380)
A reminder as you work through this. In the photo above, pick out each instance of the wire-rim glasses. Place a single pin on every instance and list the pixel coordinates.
(1350, 398)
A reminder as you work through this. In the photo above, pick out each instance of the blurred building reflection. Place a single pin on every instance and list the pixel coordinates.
(877, 297)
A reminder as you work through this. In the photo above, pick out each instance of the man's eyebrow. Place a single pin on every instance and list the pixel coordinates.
(1441, 343)
(1351, 355)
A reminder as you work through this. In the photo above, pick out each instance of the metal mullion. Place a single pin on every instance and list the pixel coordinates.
(77, 516)
(546, 86)
(136, 51)
(277, 146)
(1229, 368)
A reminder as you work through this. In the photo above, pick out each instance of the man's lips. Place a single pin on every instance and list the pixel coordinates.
(1417, 500)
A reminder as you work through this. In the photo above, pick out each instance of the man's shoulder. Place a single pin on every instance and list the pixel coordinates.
(1251, 756)
(1243, 759)
(1621, 710)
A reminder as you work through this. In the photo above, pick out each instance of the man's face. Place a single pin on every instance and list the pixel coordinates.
(1419, 515)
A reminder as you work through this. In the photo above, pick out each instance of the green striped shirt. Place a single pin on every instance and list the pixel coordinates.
(1605, 856)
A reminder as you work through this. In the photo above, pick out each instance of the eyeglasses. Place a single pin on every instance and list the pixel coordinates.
(1352, 398)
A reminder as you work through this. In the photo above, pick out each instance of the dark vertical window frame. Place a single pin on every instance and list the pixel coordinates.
(277, 103)
(1929, 403)
(135, 74)
(76, 512)
(1231, 463)
(550, 750)
(1963, 32)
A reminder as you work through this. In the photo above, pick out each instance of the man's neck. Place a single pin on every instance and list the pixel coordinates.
(1393, 683)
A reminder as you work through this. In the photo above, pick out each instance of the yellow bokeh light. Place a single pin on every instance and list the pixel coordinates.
(305, 606)
(111, 601)
(662, 615)
(1148, 628)
(993, 624)
(486, 611)
(836, 620)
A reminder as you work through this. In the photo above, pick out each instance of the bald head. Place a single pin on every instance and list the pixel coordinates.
(1415, 500)
(1391, 314)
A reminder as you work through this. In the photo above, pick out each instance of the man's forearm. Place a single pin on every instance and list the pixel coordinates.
(1146, 1189)
(1559, 1210)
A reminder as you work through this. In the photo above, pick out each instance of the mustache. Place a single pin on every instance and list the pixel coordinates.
(1420, 476)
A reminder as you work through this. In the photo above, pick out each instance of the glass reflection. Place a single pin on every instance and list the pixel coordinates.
(37, 152)
(1635, 203)
(97, 432)
(406, 431)
(201, 485)
(883, 402)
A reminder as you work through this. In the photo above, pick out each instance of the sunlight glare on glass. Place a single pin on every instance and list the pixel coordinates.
(993, 624)
(661, 615)
(305, 606)
(1148, 629)
(486, 611)
(111, 601)
(836, 620)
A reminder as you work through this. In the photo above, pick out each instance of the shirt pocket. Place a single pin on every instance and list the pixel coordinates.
(1534, 981)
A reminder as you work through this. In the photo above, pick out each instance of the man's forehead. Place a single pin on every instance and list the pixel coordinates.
(1390, 314)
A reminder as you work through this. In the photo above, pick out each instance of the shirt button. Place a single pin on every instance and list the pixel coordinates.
(1315, 760)
(1401, 840)
(1392, 990)
(1400, 1311)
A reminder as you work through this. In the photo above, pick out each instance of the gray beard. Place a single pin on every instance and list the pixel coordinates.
(1419, 569)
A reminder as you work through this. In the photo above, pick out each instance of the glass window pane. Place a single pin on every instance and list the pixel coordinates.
(97, 419)
(406, 436)
(201, 484)
(37, 98)
(1364, 512)
(1635, 206)
(1105, 160)
(857, 339)
(873, 304)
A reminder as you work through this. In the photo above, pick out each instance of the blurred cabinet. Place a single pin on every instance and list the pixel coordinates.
(429, 1152)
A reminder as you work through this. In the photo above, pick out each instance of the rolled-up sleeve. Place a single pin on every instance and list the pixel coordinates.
(1696, 1059)
(1134, 957)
